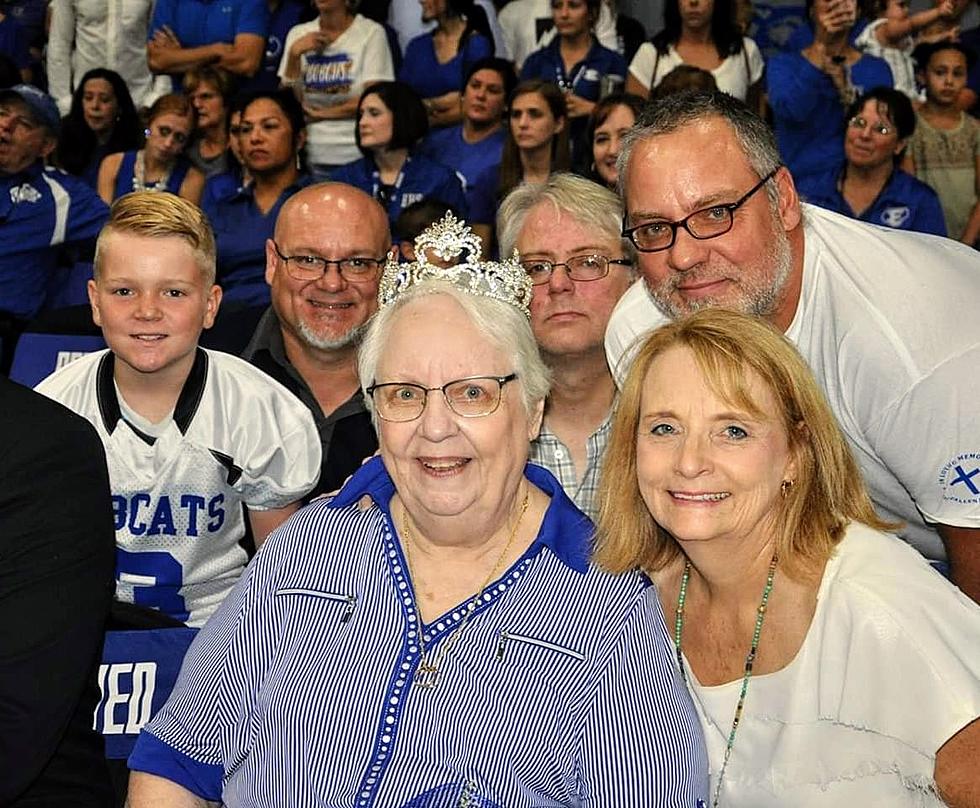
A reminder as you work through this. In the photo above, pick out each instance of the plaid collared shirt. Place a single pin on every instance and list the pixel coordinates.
(548, 451)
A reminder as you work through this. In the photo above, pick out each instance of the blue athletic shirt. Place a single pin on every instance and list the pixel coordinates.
(420, 178)
(204, 22)
(469, 160)
(428, 77)
(41, 209)
(584, 78)
(240, 233)
(808, 115)
(127, 167)
(905, 203)
(560, 689)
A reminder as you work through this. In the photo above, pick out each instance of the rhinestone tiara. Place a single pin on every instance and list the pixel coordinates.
(448, 240)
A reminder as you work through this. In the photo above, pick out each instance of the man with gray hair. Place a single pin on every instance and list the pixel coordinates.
(886, 319)
(323, 266)
(567, 232)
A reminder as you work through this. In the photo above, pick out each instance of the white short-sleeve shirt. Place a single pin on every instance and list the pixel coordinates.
(734, 75)
(339, 72)
(888, 672)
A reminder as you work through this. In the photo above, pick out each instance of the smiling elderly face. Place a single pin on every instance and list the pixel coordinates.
(445, 465)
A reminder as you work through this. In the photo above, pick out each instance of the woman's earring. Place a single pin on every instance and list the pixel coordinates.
(785, 487)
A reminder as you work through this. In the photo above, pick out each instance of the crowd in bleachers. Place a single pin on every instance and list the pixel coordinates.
(426, 107)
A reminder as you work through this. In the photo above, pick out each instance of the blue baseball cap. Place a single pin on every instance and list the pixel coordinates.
(42, 105)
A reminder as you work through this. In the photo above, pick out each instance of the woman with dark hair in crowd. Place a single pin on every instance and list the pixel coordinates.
(391, 121)
(578, 64)
(436, 62)
(611, 119)
(870, 186)
(272, 132)
(160, 165)
(102, 120)
(210, 90)
(537, 138)
(701, 33)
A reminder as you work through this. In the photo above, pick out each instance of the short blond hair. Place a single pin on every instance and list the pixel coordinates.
(155, 214)
(827, 492)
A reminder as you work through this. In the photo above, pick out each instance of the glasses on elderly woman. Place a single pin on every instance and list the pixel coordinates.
(471, 397)
(702, 224)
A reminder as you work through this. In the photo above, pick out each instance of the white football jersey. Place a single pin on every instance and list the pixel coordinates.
(235, 436)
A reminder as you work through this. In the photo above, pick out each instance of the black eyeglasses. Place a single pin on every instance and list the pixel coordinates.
(313, 267)
(702, 224)
(580, 268)
(471, 397)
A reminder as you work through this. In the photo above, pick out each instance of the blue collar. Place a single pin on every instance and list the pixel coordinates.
(565, 531)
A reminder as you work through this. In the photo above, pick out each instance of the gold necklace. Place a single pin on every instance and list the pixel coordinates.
(428, 673)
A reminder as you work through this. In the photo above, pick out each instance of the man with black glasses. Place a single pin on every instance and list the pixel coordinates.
(886, 319)
(323, 268)
(567, 234)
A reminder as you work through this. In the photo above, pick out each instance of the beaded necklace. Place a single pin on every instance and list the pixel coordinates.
(428, 673)
(139, 175)
(749, 659)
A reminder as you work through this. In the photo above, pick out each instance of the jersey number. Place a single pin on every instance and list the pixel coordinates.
(156, 579)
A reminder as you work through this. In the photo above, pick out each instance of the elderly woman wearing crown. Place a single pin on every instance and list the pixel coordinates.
(434, 635)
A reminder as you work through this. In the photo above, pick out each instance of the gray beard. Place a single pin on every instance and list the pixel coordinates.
(351, 338)
(760, 301)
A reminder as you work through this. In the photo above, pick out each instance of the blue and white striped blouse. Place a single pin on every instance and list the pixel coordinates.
(560, 691)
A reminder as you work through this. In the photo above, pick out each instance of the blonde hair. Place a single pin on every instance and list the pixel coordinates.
(828, 491)
(161, 215)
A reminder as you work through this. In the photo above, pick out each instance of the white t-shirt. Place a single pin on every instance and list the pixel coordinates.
(358, 57)
(236, 436)
(888, 672)
(528, 26)
(899, 59)
(888, 323)
(734, 75)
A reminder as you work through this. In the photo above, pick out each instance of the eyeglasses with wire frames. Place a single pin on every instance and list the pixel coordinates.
(860, 122)
(580, 268)
(703, 224)
(357, 269)
(472, 397)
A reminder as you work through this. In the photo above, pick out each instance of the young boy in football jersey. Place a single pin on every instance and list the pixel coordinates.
(190, 434)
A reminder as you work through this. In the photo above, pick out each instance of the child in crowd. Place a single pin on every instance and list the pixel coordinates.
(889, 36)
(190, 435)
(944, 149)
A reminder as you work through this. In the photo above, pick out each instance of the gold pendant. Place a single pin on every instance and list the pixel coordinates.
(427, 675)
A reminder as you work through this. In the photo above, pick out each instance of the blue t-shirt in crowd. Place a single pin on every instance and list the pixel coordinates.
(905, 203)
(41, 209)
(13, 42)
(240, 233)
(420, 178)
(808, 115)
(584, 79)
(423, 72)
(469, 160)
(286, 15)
(204, 22)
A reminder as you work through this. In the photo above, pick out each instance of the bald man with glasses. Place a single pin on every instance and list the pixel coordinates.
(323, 267)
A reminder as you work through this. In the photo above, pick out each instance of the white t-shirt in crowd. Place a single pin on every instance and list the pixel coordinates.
(887, 321)
(356, 58)
(734, 75)
(888, 672)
